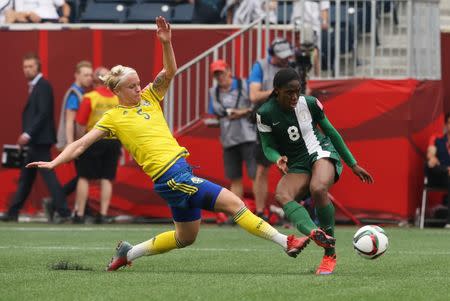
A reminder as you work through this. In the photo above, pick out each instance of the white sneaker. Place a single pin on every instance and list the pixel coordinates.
(447, 226)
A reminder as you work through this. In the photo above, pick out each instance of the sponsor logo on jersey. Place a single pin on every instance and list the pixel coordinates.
(146, 103)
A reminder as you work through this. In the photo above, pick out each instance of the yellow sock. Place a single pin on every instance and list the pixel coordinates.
(159, 244)
(256, 226)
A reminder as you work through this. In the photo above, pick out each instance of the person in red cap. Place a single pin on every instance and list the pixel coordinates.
(229, 101)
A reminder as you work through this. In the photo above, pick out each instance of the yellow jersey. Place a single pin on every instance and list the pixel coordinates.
(144, 132)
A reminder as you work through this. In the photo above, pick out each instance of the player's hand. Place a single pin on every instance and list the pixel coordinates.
(163, 30)
(40, 164)
(362, 174)
(282, 164)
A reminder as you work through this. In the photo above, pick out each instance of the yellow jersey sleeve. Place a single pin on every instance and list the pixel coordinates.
(150, 94)
(106, 124)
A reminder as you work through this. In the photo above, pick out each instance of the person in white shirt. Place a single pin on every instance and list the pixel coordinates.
(311, 13)
(37, 11)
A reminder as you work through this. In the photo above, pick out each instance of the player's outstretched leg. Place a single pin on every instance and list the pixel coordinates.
(231, 204)
(161, 243)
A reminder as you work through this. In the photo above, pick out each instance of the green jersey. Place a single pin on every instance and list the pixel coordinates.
(295, 132)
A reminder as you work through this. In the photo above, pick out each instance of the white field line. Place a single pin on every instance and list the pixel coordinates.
(76, 248)
(151, 227)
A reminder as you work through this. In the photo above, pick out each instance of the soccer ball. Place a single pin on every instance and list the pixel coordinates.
(370, 242)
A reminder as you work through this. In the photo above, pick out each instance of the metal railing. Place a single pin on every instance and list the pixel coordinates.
(188, 97)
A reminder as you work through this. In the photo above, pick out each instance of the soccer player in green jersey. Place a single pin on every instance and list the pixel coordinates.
(309, 158)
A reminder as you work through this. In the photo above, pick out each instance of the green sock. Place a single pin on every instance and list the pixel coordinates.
(299, 216)
(326, 219)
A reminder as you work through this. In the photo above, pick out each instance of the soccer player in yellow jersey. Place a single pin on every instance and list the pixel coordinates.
(138, 122)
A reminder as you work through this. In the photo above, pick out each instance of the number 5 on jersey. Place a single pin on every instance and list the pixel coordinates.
(140, 112)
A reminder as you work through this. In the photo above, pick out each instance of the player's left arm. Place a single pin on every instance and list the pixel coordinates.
(343, 150)
(162, 80)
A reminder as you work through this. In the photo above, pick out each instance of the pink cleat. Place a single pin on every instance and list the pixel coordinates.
(296, 244)
(120, 259)
(327, 265)
(322, 239)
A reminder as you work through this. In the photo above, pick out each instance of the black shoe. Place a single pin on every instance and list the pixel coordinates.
(100, 219)
(49, 210)
(77, 219)
(9, 218)
(103, 219)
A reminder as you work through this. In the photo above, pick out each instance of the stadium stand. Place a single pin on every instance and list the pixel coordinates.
(104, 12)
(182, 13)
(147, 12)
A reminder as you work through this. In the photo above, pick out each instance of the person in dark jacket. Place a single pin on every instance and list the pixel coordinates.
(38, 134)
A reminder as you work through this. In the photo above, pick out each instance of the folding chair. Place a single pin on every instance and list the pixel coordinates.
(427, 188)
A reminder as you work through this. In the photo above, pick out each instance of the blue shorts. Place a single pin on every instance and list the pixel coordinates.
(185, 193)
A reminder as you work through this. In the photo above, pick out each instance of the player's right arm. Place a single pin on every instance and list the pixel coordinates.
(72, 151)
(268, 143)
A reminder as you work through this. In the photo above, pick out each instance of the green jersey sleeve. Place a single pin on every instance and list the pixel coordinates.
(337, 141)
(263, 123)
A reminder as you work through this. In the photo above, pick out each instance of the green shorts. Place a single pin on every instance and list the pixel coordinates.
(305, 165)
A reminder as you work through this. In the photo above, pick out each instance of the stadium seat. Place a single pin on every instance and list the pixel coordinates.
(104, 12)
(182, 13)
(147, 12)
(423, 207)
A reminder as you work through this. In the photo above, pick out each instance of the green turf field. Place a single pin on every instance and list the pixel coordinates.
(224, 264)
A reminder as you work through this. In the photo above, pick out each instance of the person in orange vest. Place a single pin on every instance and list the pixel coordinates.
(99, 162)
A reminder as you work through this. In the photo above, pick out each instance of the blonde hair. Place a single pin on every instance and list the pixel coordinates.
(117, 73)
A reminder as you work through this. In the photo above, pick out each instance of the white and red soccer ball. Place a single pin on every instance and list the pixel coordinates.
(370, 242)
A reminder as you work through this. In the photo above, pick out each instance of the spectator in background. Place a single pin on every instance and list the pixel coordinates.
(311, 18)
(312, 14)
(66, 128)
(261, 86)
(247, 11)
(37, 11)
(207, 11)
(231, 104)
(99, 161)
(38, 126)
(437, 168)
